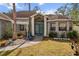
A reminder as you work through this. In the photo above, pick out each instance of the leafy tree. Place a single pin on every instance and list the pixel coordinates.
(71, 10)
(36, 8)
(74, 11)
(62, 10)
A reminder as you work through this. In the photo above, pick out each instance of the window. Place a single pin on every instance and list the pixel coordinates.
(47, 18)
(52, 27)
(70, 28)
(21, 27)
(62, 26)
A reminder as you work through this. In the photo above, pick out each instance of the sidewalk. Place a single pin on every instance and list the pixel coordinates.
(24, 44)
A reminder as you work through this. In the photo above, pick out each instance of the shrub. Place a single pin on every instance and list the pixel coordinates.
(62, 35)
(7, 35)
(52, 34)
(72, 34)
(8, 32)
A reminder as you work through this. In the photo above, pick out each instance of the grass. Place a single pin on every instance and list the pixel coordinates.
(45, 48)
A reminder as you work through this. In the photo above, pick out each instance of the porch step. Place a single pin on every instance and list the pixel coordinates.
(38, 38)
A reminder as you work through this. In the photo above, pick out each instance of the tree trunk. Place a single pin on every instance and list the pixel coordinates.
(14, 18)
(29, 7)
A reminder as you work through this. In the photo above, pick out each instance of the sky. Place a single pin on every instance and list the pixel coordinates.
(44, 7)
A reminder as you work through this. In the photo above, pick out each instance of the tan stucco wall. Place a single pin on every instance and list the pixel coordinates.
(5, 26)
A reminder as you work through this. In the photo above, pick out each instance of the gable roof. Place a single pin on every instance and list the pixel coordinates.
(22, 14)
(26, 14)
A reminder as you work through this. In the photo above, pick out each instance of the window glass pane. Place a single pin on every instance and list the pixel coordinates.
(21, 27)
(62, 26)
(52, 27)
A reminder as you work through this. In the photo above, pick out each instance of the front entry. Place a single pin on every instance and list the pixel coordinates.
(39, 28)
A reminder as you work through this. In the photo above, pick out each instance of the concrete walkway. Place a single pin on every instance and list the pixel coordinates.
(24, 44)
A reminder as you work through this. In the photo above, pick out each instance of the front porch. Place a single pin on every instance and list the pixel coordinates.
(38, 25)
(42, 25)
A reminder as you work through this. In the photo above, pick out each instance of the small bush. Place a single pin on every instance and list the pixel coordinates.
(72, 34)
(52, 34)
(8, 32)
(62, 35)
(7, 35)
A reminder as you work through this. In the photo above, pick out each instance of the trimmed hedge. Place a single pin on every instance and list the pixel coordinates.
(52, 34)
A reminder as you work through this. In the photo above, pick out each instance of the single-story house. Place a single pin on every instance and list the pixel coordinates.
(42, 25)
(5, 24)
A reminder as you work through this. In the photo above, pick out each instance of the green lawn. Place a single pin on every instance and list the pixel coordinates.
(45, 48)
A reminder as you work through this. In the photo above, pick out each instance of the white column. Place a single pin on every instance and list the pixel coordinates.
(57, 27)
(27, 29)
(32, 25)
(67, 26)
(48, 28)
(45, 26)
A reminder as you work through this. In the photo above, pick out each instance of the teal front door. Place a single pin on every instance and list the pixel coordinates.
(39, 28)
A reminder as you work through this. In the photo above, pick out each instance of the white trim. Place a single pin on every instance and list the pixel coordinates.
(60, 20)
(37, 14)
(21, 22)
(22, 18)
(6, 18)
(34, 15)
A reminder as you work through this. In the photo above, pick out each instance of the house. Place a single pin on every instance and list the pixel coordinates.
(42, 25)
(5, 24)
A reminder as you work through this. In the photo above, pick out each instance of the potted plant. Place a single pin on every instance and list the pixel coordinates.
(20, 35)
